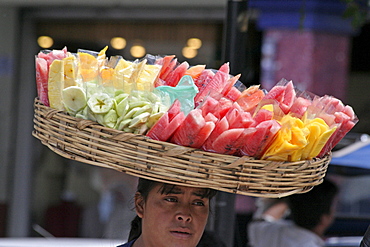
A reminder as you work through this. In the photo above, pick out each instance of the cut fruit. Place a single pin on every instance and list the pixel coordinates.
(174, 77)
(88, 66)
(74, 98)
(70, 71)
(250, 98)
(56, 84)
(100, 103)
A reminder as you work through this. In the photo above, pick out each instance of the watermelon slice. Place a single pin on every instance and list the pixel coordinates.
(230, 86)
(233, 94)
(43, 61)
(346, 120)
(204, 78)
(223, 107)
(42, 80)
(209, 105)
(165, 69)
(187, 133)
(231, 140)
(239, 119)
(50, 56)
(262, 115)
(250, 97)
(172, 126)
(175, 75)
(220, 127)
(210, 118)
(216, 85)
(260, 140)
(284, 94)
(203, 134)
(174, 109)
(158, 128)
(299, 107)
(164, 128)
(335, 114)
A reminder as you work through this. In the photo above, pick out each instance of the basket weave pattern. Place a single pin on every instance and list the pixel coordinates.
(88, 142)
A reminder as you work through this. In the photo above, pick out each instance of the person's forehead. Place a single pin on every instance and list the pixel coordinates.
(177, 189)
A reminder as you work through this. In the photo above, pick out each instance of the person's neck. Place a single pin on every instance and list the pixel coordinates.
(138, 242)
(319, 230)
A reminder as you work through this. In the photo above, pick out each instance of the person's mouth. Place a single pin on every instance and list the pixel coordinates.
(181, 233)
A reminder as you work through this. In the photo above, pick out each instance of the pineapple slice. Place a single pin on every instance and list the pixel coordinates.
(56, 84)
(70, 71)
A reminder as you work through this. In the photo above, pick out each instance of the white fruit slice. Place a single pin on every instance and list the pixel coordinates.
(100, 103)
(139, 120)
(74, 98)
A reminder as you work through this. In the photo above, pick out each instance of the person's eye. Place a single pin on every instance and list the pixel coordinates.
(170, 199)
(199, 203)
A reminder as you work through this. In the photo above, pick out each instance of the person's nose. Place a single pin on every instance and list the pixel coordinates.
(184, 214)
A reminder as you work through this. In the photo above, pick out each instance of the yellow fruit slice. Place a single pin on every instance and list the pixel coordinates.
(320, 143)
(138, 68)
(56, 84)
(88, 66)
(146, 79)
(106, 75)
(122, 74)
(315, 132)
(289, 142)
(101, 58)
(70, 71)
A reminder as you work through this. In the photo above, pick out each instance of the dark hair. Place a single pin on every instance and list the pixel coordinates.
(307, 208)
(144, 187)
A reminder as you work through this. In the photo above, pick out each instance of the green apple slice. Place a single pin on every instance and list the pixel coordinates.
(110, 119)
(139, 120)
(74, 98)
(100, 103)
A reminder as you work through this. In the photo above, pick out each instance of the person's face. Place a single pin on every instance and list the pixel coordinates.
(174, 219)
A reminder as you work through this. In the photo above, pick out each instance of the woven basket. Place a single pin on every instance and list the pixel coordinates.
(88, 142)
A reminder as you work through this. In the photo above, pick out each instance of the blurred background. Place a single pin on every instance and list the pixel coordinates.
(308, 41)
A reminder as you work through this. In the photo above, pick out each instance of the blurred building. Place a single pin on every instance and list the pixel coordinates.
(32, 178)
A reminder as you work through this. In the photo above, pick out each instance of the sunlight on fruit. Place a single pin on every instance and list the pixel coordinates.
(118, 43)
(45, 42)
(137, 51)
(189, 52)
(194, 43)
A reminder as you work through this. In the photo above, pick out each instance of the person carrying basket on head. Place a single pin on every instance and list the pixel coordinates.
(169, 215)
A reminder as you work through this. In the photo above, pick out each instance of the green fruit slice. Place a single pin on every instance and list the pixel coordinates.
(74, 98)
(110, 119)
(100, 103)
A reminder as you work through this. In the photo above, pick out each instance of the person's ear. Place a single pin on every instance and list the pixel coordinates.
(139, 204)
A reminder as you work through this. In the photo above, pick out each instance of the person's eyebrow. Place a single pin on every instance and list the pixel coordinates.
(175, 190)
(199, 193)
